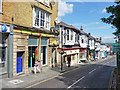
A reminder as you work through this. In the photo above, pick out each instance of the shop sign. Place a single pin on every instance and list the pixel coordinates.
(81, 51)
(72, 52)
(4, 28)
(53, 42)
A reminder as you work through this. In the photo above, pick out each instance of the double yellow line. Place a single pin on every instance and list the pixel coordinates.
(56, 76)
(51, 78)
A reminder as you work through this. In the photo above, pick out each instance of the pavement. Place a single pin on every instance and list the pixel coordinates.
(31, 79)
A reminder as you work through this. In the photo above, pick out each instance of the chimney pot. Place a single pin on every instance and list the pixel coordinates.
(89, 33)
(100, 39)
(81, 28)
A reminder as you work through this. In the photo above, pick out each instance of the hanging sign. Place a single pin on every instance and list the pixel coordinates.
(3, 28)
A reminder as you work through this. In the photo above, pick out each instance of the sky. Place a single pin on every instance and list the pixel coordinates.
(88, 14)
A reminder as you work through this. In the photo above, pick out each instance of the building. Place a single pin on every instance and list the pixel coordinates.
(97, 49)
(69, 43)
(31, 34)
(83, 45)
(91, 47)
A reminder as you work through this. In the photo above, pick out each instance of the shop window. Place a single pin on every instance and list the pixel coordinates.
(41, 19)
(0, 5)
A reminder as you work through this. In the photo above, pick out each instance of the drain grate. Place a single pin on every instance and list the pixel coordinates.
(16, 81)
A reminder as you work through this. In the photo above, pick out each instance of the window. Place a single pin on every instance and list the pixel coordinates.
(47, 21)
(41, 19)
(76, 37)
(71, 35)
(82, 40)
(0, 5)
(67, 34)
(42, 22)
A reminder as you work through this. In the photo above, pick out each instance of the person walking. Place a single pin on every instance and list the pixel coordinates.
(69, 61)
(36, 67)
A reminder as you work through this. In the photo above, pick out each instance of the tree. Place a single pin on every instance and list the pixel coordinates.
(114, 18)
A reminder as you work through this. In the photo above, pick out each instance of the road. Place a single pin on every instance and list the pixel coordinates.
(88, 76)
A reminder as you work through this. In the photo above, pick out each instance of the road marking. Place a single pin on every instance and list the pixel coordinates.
(58, 75)
(92, 71)
(42, 81)
(52, 77)
(76, 82)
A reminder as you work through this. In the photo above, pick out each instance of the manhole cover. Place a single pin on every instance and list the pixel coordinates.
(17, 81)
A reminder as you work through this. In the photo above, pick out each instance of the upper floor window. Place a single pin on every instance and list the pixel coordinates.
(71, 35)
(41, 19)
(67, 34)
(0, 5)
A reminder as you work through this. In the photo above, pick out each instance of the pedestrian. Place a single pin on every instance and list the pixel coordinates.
(89, 58)
(36, 67)
(69, 61)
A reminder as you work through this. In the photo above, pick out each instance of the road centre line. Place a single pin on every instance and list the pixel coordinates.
(76, 82)
(92, 71)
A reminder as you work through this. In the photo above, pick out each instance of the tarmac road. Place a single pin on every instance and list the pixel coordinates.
(88, 76)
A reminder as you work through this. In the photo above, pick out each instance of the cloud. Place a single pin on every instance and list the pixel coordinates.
(64, 8)
(108, 37)
(97, 22)
(104, 10)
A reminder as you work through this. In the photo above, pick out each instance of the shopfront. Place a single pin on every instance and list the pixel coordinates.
(83, 55)
(32, 50)
(92, 55)
(4, 35)
(73, 54)
(44, 51)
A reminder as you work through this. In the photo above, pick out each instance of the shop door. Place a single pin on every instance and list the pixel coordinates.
(43, 55)
(19, 61)
(32, 56)
(53, 57)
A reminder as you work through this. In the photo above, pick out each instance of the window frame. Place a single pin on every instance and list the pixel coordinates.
(41, 18)
(0, 6)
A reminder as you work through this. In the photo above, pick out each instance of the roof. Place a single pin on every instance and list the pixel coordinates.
(72, 27)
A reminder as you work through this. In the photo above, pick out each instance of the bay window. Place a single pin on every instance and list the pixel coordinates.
(41, 19)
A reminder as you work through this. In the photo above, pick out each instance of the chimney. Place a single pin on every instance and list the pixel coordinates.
(116, 41)
(100, 39)
(81, 28)
(89, 33)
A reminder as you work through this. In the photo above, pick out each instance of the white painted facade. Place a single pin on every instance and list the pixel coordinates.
(83, 41)
(92, 44)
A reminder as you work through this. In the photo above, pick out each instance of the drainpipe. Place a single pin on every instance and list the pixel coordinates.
(10, 53)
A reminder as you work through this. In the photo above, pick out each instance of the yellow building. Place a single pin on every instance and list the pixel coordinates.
(32, 36)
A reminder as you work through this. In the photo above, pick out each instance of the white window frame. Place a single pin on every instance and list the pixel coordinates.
(46, 20)
(0, 6)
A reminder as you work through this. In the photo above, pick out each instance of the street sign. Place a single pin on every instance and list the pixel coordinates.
(61, 52)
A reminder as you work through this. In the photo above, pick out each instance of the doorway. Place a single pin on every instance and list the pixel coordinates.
(20, 62)
(43, 55)
(32, 56)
